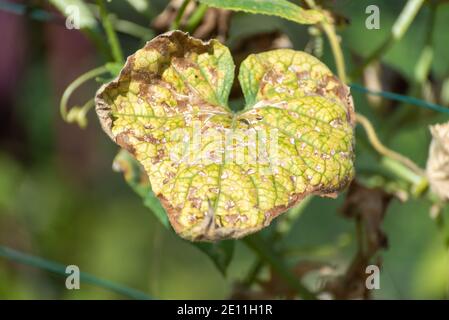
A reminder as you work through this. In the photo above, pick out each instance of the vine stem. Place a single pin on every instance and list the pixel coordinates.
(67, 115)
(117, 53)
(177, 22)
(425, 59)
(60, 269)
(196, 17)
(329, 30)
(382, 149)
(132, 29)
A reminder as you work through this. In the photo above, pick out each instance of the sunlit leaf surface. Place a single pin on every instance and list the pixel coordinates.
(220, 253)
(281, 8)
(220, 174)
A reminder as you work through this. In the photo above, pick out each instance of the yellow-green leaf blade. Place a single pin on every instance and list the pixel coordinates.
(297, 95)
(222, 175)
(285, 74)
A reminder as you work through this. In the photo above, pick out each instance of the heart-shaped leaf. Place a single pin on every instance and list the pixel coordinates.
(220, 174)
(281, 8)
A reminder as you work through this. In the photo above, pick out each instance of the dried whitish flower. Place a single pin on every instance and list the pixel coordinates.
(438, 161)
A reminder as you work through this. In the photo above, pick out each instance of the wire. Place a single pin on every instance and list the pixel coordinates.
(401, 98)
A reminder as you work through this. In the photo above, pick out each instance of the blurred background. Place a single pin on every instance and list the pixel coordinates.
(60, 199)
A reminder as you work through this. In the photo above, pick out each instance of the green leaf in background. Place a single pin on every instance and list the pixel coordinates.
(218, 174)
(280, 8)
(244, 27)
(220, 253)
(87, 19)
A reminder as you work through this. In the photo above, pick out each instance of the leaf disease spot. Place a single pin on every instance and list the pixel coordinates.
(220, 174)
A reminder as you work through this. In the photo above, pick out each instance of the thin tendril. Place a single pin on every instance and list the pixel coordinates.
(67, 115)
(382, 149)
